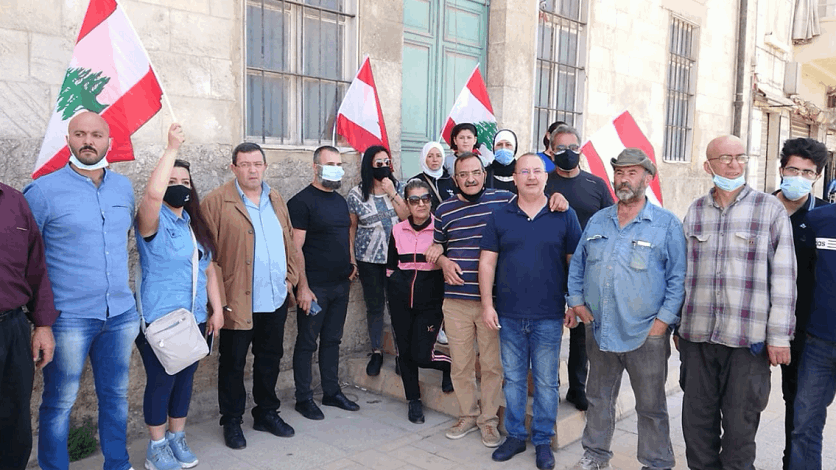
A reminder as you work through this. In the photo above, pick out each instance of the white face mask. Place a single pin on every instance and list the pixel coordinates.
(96, 166)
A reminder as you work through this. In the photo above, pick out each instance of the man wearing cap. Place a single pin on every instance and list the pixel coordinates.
(501, 171)
(738, 316)
(625, 284)
(587, 194)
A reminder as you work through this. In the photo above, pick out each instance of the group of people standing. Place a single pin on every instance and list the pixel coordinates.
(502, 253)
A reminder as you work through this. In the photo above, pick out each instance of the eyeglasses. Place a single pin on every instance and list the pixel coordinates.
(464, 174)
(415, 200)
(247, 165)
(535, 172)
(793, 171)
(727, 159)
(382, 163)
(573, 147)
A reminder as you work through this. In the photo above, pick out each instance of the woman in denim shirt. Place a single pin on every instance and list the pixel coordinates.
(169, 209)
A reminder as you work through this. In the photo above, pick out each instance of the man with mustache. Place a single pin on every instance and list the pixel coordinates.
(84, 212)
(587, 194)
(625, 284)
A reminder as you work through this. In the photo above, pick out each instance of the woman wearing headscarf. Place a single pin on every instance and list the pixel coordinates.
(434, 174)
(501, 171)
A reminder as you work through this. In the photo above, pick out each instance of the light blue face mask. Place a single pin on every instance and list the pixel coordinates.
(796, 187)
(504, 156)
(727, 184)
(332, 172)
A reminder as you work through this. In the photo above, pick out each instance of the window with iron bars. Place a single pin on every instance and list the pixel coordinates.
(300, 59)
(679, 113)
(559, 76)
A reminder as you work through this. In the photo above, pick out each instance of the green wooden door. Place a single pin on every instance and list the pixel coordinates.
(443, 42)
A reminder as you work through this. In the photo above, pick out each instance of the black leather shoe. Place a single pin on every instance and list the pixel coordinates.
(511, 447)
(544, 457)
(373, 368)
(340, 401)
(309, 409)
(416, 412)
(446, 383)
(272, 423)
(233, 435)
(578, 399)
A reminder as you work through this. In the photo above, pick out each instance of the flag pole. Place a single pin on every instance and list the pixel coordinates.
(150, 64)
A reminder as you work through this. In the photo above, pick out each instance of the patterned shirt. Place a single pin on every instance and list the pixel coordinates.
(740, 279)
(458, 226)
(376, 217)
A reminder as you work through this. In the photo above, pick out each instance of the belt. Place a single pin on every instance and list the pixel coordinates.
(8, 314)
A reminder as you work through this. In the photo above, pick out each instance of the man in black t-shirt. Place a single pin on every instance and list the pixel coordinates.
(587, 194)
(321, 233)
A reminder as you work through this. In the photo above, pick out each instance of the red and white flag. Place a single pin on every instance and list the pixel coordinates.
(474, 106)
(360, 119)
(606, 143)
(109, 74)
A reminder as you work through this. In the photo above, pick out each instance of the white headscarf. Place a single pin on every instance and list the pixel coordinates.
(508, 136)
(424, 151)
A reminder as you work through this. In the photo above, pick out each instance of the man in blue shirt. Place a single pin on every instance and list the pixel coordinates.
(626, 285)
(816, 384)
(526, 249)
(84, 213)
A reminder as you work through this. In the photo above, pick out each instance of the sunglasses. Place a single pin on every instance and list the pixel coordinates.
(415, 200)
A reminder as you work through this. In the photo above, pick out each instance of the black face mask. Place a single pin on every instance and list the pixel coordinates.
(177, 195)
(472, 197)
(380, 173)
(567, 160)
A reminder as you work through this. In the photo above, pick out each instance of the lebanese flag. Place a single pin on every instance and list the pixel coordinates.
(474, 106)
(606, 143)
(360, 119)
(109, 74)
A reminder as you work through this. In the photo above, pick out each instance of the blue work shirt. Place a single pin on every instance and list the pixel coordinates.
(531, 263)
(166, 261)
(629, 276)
(269, 259)
(85, 230)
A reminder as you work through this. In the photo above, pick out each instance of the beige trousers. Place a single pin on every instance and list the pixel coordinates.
(463, 323)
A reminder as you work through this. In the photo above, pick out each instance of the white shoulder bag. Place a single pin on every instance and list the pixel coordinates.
(175, 337)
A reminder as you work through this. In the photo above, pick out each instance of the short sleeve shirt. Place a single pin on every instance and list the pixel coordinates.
(323, 215)
(376, 217)
(586, 193)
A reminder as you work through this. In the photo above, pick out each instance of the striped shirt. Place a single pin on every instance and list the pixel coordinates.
(740, 279)
(458, 226)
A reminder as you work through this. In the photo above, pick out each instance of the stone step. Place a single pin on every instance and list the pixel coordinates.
(570, 421)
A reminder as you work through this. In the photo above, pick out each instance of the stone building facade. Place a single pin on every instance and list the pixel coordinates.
(274, 71)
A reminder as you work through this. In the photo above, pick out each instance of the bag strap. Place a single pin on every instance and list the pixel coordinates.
(432, 186)
(138, 281)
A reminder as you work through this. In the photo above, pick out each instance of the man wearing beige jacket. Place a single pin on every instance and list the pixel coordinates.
(258, 267)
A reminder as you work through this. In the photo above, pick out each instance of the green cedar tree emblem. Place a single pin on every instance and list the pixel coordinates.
(80, 89)
(486, 130)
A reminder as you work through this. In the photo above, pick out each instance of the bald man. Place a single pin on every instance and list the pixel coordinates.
(738, 317)
(84, 212)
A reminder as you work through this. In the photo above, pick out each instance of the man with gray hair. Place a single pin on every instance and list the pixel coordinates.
(587, 194)
(321, 224)
(626, 284)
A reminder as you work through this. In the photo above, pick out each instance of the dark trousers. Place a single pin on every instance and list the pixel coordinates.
(578, 360)
(415, 334)
(266, 337)
(327, 325)
(165, 395)
(17, 371)
(724, 387)
(373, 279)
(789, 387)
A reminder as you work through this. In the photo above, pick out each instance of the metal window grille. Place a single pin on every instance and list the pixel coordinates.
(559, 75)
(827, 8)
(299, 61)
(680, 93)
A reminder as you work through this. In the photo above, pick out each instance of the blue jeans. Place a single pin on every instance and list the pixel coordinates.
(536, 343)
(109, 344)
(816, 389)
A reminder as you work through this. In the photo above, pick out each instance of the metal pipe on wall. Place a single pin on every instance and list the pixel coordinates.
(740, 62)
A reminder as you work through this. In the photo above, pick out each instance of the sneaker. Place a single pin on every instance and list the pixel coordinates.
(544, 457)
(442, 337)
(160, 457)
(463, 426)
(446, 382)
(588, 464)
(490, 435)
(416, 412)
(180, 449)
(511, 447)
